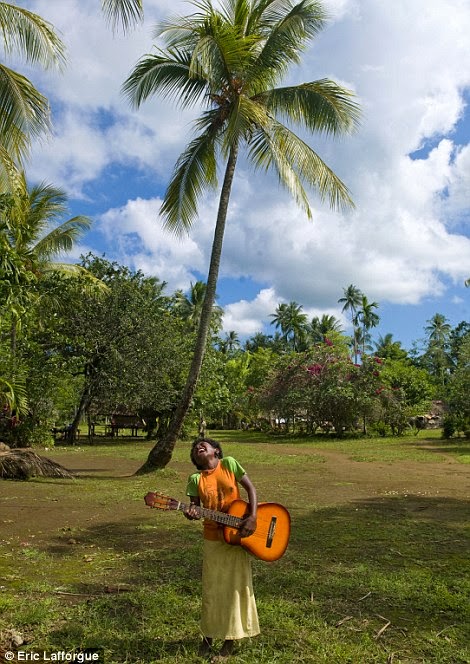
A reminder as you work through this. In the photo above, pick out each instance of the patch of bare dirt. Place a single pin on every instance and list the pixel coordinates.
(31, 511)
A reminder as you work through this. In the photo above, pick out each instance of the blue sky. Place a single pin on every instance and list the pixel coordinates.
(407, 243)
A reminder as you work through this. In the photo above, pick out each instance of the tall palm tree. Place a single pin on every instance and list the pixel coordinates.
(230, 57)
(24, 111)
(367, 319)
(351, 300)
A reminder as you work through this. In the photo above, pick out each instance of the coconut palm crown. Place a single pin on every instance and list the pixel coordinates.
(230, 59)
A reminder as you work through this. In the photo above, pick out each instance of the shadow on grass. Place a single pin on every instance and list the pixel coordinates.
(352, 569)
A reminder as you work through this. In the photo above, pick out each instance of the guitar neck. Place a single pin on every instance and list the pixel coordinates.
(213, 515)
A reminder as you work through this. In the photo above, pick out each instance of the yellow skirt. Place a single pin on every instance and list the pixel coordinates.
(228, 602)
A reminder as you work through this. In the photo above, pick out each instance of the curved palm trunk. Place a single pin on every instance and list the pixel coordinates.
(160, 455)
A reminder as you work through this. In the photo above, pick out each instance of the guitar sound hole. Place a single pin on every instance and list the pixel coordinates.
(271, 532)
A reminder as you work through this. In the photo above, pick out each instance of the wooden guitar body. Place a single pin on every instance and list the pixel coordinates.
(271, 537)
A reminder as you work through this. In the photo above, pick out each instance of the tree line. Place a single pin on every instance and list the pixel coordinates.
(106, 340)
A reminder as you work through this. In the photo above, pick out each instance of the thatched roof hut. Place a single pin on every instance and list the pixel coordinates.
(20, 464)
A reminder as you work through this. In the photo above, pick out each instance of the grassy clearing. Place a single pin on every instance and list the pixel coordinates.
(374, 577)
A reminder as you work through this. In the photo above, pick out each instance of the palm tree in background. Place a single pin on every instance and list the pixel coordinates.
(320, 328)
(189, 307)
(230, 58)
(24, 111)
(351, 301)
(292, 322)
(366, 319)
(230, 344)
(387, 348)
(437, 355)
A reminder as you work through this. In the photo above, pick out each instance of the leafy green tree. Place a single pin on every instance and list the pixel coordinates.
(415, 383)
(125, 343)
(457, 336)
(458, 389)
(230, 58)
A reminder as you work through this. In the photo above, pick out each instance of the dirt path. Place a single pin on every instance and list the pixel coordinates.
(31, 510)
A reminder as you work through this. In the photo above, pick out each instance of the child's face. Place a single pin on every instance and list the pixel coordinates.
(205, 454)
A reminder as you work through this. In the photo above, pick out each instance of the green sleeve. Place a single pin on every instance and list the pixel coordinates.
(193, 484)
(233, 465)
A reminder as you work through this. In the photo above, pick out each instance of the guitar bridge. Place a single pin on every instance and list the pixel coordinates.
(271, 532)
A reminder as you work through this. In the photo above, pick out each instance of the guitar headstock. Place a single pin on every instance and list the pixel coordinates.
(160, 501)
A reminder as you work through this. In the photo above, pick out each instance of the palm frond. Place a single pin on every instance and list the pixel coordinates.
(237, 12)
(126, 13)
(24, 113)
(168, 75)
(285, 29)
(244, 115)
(62, 239)
(13, 393)
(91, 285)
(30, 36)
(223, 50)
(266, 154)
(195, 171)
(284, 150)
(11, 179)
(320, 106)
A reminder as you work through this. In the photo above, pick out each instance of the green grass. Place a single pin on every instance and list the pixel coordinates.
(370, 580)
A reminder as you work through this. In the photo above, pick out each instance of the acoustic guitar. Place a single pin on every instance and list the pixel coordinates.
(268, 542)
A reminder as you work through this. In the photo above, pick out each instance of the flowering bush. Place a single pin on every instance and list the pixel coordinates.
(321, 389)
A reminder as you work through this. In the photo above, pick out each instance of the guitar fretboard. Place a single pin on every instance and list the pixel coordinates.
(219, 517)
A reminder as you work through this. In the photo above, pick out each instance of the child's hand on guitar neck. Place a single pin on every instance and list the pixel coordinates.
(192, 513)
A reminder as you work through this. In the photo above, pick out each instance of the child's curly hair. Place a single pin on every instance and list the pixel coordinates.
(214, 443)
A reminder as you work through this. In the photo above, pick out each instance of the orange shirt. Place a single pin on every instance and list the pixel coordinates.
(217, 489)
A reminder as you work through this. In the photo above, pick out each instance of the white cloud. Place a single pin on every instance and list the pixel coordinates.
(245, 317)
(135, 235)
